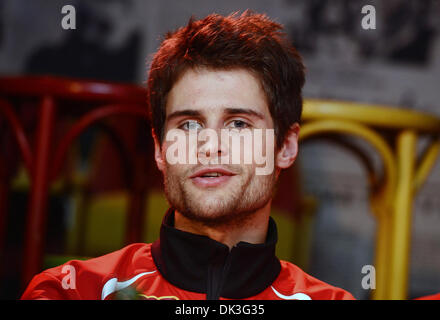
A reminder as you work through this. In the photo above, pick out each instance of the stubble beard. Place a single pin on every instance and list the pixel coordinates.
(213, 208)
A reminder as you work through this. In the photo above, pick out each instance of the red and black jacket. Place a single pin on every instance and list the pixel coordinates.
(182, 265)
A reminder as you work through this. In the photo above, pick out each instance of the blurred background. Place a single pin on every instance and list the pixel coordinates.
(397, 64)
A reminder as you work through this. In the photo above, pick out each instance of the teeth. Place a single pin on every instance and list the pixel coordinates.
(212, 174)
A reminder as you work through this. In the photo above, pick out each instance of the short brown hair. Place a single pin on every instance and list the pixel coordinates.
(250, 41)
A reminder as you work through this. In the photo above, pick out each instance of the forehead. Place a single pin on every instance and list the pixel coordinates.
(210, 91)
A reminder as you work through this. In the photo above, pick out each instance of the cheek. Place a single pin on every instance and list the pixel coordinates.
(176, 171)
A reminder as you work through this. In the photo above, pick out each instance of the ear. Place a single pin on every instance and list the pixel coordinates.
(158, 152)
(287, 153)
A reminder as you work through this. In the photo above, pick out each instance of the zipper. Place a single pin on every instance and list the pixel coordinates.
(217, 272)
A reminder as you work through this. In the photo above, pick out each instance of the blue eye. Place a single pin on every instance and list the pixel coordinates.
(239, 124)
(191, 125)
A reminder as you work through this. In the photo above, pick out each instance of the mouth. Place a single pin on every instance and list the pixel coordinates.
(211, 177)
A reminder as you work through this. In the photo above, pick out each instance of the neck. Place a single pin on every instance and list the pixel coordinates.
(252, 230)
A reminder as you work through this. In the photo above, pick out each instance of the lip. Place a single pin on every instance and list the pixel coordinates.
(204, 171)
(200, 181)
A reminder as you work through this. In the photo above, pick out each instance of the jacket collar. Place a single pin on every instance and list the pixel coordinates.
(197, 263)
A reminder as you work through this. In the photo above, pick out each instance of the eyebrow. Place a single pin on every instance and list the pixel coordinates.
(229, 111)
(244, 111)
(184, 113)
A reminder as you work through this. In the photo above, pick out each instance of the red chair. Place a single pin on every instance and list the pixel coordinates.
(53, 99)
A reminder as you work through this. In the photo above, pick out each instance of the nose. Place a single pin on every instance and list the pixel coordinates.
(214, 144)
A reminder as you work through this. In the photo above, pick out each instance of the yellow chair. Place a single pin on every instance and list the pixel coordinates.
(392, 194)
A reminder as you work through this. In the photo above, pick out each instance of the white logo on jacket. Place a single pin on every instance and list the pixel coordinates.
(114, 285)
(295, 296)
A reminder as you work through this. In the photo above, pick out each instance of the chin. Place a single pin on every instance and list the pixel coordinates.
(213, 193)
(210, 218)
(214, 204)
(212, 207)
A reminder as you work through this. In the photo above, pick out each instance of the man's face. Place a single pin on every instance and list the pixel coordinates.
(215, 194)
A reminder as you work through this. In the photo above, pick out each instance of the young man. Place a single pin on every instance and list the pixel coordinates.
(224, 76)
